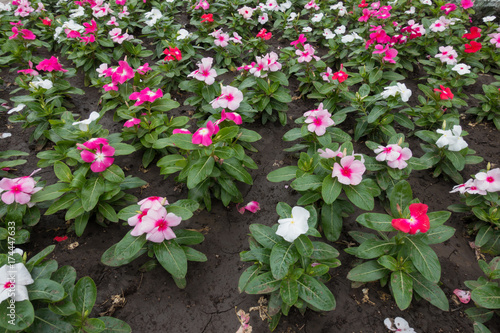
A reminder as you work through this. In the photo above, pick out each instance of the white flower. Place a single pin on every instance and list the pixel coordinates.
(328, 34)
(307, 29)
(317, 17)
(340, 30)
(18, 108)
(489, 18)
(426, 2)
(5, 135)
(452, 138)
(399, 325)
(342, 11)
(84, 124)
(286, 5)
(263, 18)
(411, 10)
(5, 7)
(349, 38)
(101, 69)
(292, 16)
(80, 11)
(13, 282)
(339, 5)
(461, 69)
(390, 91)
(153, 16)
(183, 34)
(39, 83)
(399, 88)
(293, 227)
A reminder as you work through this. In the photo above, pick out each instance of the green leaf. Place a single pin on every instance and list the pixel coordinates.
(66, 276)
(114, 174)
(359, 196)
(331, 189)
(374, 248)
(331, 221)
(316, 293)
(282, 257)
(234, 168)
(24, 315)
(307, 182)
(487, 296)
(194, 255)
(402, 289)
(200, 171)
(107, 212)
(304, 246)
(323, 251)
(50, 192)
(424, 258)
(130, 245)
(84, 295)
(80, 223)
(376, 221)
(183, 141)
(188, 237)
(249, 135)
(48, 322)
(283, 174)
(429, 291)
(367, 272)
(91, 191)
(226, 133)
(109, 258)
(248, 275)
(438, 235)
(265, 235)
(114, 325)
(289, 291)
(62, 172)
(480, 328)
(480, 315)
(45, 289)
(64, 202)
(37, 258)
(438, 218)
(388, 262)
(400, 195)
(263, 284)
(172, 257)
(123, 149)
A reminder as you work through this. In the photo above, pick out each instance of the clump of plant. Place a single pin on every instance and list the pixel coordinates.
(153, 219)
(479, 195)
(39, 296)
(323, 176)
(446, 151)
(485, 292)
(210, 160)
(287, 265)
(90, 183)
(404, 260)
(489, 107)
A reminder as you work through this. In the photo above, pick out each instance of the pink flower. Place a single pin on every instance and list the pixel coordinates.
(418, 221)
(328, 153)
(145, 95)
(307, 55)
(311, 4)
(302, 39)
(400, 163)
(123, 73)
(157, 225)
(153, 203)
(50, 65)
(448, 8)
(252, 206)
(90, 27)
(495, 39)
(110, 86)
(318, 120)
(60, 238)
(203, 135)
(205, 72)
(18, 190)
(349, 171)
(463, 295)
(143, 69)
(445, 93)
(389, 54)
(132, 122)
(389, 153)
(100, 156)
(230, 98)
(271, 60)
(181, 131)
(203, 4)
(29, 71)
(489, 181)
(233, 116)
(447, 55)
(221, 38)
(467, 4)
(88, 39)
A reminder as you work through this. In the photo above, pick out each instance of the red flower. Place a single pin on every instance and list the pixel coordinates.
(207, 18)
(474, 33)
(264, 34)
(173, 53)
(473, 47)
(445, 93)
(60, 238)
(46, 21)
(341, 76)
(418, 221)
(363, 4)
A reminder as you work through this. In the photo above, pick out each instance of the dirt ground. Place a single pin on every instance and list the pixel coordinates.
(153, 303)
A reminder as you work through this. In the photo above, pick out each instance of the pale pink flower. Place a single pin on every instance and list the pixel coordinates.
(328, 153)
(246, 12)
(157, 225)
(272, 62)
(400, 163)
(202, 4)
(319, 120)
(389, 153)
(221, 38)
(463, 295)
(473, 189)
(263, 18)
(447, 55)
(112, 21)
(307, 54)
(327, 75)
(311, 4)
(236, 38)
(123, 13)
(152, 203)
(252, 206)
(489, 181)
(18, 190)
(259, 67)
(230, 98)
(495, 39)
(349, 171)
(205, 72)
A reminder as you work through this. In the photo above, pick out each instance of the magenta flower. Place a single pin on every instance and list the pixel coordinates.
(203, 135)
(157, 225)
(50, 65)
(123, 73)
(145, 95)
(349, 171)
(448, 8)
(132, 122)
(18, 190)
(418, 221)
(252, 206)
(143, 69)
(233, 116)
(302, 39)
(230, 98)
(29, 71)
(205, 72)
(100, 157)
(466, 4)
(463, 295)
(181, 131)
